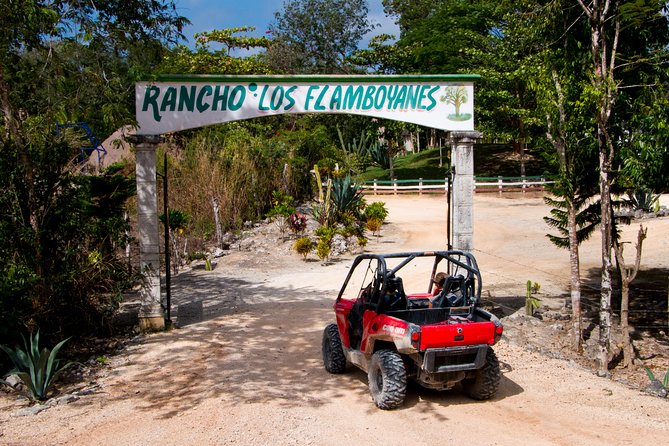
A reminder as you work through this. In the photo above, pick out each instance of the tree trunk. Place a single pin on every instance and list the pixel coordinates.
(391, 165)
(628, 351)
(575, 276)
(523, 145)
(627, 275)
(605, 313)
(217, 222)
(600, 15)
(11, 124)
(559, 142)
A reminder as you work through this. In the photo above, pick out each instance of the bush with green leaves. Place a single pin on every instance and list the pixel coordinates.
(282, 209)
(62, 238)
(376, 210)
(352, 230)
(178, 220)
(323, 248)
(303, 246)
(36, 368)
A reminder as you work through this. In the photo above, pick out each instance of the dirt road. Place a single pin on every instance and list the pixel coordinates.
(246, 366)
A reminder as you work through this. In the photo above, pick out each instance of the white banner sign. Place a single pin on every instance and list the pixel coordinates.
(164, 107)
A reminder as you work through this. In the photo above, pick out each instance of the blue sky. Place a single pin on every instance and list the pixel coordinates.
(207, 15)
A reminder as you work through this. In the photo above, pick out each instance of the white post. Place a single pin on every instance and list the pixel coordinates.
(462, 156)
(151, 312)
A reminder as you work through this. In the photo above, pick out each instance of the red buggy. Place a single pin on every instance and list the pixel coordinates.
(438, 337)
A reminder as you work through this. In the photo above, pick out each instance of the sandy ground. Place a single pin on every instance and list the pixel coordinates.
(245, 367)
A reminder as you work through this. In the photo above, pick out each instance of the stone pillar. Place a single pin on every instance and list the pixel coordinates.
(151, 312)
(462, 214)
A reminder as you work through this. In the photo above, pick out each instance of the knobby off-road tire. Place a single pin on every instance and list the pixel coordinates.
(387, 379)
(486, 382)
(333, 354)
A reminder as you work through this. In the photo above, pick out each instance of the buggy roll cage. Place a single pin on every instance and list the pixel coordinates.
(460, 259)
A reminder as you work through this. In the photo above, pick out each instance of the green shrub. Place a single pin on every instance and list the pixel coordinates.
(178, 220)
(282, 209)
(353, 230)
(362, 241)
(323, 248)
(303, 246)
(38, 369)
(325, 233)
(376, 210)
(197, 256)
(61, 269)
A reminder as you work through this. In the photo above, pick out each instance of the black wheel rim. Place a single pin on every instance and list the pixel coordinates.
(379, 381)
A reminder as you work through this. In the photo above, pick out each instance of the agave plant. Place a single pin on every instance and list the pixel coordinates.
(346, 196)
(664, 382)
(642, 199)
(380, 155)
(37, 369)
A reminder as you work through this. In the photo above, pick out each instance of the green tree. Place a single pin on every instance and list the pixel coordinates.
(60, 232)
(610, 22)
(317, 36)
(60, 268)
(409, 13)
(117, 28)
(207, 60)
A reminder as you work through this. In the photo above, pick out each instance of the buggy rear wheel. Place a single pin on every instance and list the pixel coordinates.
(387, 379)
(333, 354)
(485, 382)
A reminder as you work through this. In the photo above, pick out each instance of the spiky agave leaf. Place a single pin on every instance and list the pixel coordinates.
(37, 369)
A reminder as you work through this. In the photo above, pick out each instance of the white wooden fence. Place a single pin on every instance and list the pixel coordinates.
(481, 184)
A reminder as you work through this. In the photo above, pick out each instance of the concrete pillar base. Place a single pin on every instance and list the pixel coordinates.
(462, 159)
(151, 323)
(152, 313)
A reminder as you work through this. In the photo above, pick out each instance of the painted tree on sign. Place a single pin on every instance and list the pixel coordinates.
(456, 96)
